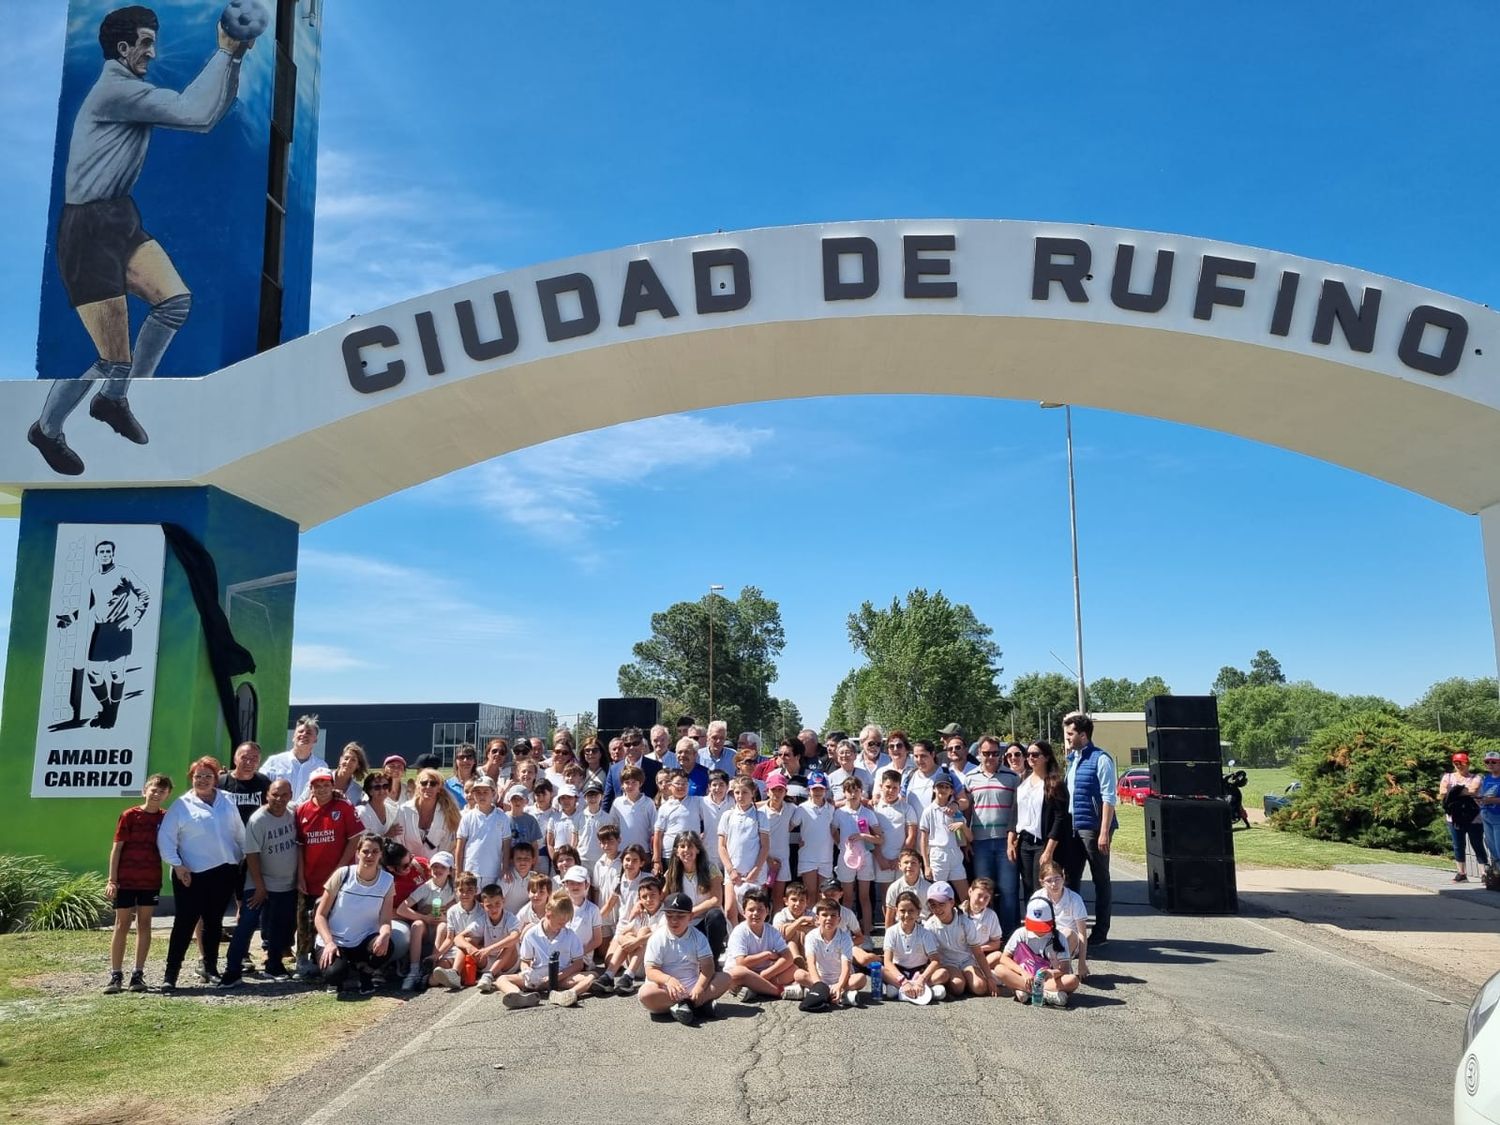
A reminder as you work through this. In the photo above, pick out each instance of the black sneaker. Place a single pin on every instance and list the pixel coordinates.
(705, 1011)
(684, 1014)
(115, 984)
(230, 983)
(624, 984)
(603, 985)
(1460, 878)
(276, 970)
(168, 987)
(55, 451)
(138, 981)
(115, 413)
(366, 985)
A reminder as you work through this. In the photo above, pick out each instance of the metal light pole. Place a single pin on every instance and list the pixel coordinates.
(1073, 527)
(713, 589)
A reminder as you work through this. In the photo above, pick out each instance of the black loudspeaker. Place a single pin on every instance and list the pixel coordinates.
(1191, 886)
(1182, 711)
(1186, 779)
(1183, 828)
(1183, 744)
(628, 711)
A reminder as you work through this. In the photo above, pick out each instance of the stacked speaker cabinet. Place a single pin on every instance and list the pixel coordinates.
(614, 715)
(1189, 835)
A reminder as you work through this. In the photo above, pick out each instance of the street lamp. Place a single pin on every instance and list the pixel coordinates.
(1073, 526)
(713, 589)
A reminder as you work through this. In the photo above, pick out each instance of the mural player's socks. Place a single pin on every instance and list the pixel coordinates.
(151, 342)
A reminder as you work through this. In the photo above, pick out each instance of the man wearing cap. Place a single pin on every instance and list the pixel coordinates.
(328, 829)
(992, 809)
(1091, 788)
(680, 972)
(633, 743)
(298, 763)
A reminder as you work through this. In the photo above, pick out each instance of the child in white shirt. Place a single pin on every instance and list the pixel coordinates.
(829, 959)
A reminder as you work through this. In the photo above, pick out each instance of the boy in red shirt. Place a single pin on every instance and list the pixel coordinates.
(135, 880)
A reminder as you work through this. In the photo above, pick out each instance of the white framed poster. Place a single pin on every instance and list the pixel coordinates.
(99, 669)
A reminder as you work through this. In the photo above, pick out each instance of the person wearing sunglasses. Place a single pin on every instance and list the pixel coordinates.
(1015, 760)
(992, 804)
(378, 813)
(429, 821)
(633, 743)
(1044, 823)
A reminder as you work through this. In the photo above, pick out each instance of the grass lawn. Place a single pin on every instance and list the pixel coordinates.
(1263, 846)
(68, 1053)
(1263, 781)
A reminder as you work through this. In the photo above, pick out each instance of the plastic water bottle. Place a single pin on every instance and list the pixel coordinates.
(877, 982)
(1037, 987)
(552, 967)
(437, 906)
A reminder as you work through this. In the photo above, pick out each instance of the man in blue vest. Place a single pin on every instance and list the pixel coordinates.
(1091, 788)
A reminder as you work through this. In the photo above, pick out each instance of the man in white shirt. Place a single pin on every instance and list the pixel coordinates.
(298, 763)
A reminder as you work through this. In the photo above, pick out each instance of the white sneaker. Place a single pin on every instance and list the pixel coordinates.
(939, 992)
(563, 998)
(487, 983)
(445, 978)
(745, 995)
(1055, 999)
(793, 992)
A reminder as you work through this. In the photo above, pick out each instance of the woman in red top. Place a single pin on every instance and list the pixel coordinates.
(135, 880)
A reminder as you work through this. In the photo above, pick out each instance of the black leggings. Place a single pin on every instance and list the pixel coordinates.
(715, 928)
(204, 900)
(357, 957)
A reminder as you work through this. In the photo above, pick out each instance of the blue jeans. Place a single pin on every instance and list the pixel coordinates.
(991, 862)
(1473, 832)
(1492, 840)
(276, 918)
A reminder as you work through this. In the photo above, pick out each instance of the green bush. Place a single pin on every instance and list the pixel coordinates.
(36, 894)
(1372, 780)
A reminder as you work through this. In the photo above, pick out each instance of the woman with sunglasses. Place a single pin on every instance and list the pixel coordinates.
(429, 821)
(465, 762)
(596, 763)
(1044, 823)
(1015, 760)
(379, 815)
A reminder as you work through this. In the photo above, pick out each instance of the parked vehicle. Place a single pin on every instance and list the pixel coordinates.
(1134, 785)
(1272, 802)
(1476, 1079)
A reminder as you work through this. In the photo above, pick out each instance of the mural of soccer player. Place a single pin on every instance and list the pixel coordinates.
(103, 250)
(116, 602)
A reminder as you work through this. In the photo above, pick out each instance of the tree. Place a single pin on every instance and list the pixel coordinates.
(672, 664)
(584, 725)
(1459, 704)
(1265, 669)
(1040, 700)
(1229, 678)
(786, 723)
(1371, 779)
(929, 662)
(1106, 694)
(1265, 723)
(849, 708)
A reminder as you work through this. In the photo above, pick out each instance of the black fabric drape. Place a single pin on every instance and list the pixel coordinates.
(227, 658)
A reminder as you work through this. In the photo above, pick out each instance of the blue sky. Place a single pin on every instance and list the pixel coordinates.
(478, 141)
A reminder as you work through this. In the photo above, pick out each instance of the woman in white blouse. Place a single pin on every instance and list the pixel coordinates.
(429, 822)
(379, 814)
(202, 839)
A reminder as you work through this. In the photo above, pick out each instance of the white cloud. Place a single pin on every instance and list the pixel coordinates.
(558, 492)
(378, 240)
(324, 658)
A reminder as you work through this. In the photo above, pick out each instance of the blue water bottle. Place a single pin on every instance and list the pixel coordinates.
(877, 982)
(1036, 987)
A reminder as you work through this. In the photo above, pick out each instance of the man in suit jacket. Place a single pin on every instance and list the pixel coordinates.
(633, 742)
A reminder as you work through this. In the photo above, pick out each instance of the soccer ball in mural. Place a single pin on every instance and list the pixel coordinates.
(244, 19)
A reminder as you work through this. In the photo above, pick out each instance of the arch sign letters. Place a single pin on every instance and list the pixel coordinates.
(252, 430)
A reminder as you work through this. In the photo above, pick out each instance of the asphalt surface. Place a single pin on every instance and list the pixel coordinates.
(1254, 1017)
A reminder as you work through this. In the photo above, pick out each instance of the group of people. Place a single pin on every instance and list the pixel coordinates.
(1471, 807)
(670, 869)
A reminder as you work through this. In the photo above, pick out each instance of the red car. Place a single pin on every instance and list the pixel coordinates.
(1135, 786)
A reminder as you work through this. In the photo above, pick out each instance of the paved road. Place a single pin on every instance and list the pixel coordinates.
(1189, 1020)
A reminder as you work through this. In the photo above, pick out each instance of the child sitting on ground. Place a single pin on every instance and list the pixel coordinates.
(828, 954)
(794, 920)
(757, 958)
(964, 966)
(491, 940)
(447, 955)
(911, 965)
(423, 912)
(1035, 947)
(680, 975)
(624, 961)
(523, 988)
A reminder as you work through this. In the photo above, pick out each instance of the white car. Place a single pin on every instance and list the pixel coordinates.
(1476, 1083)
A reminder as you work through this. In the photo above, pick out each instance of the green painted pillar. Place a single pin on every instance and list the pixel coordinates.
(96, 581)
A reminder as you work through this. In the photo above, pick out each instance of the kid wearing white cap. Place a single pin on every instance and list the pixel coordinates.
(586, 922)
(483, 838)
(963, 964)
